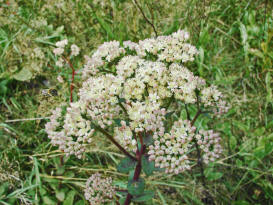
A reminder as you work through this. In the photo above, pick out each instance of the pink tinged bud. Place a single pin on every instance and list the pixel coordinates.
(152, 157)
(151, 152)
(161, 134)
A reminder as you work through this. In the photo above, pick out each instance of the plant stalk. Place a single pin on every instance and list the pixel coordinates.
(111, 138)
(138, 168)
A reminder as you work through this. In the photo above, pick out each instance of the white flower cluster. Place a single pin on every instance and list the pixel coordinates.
(172, 48)
(209, 143)
(170, 150)
(75, 50)
(70, 132)
(212, 97)
(183, 83)
(105, 53)
(98, 96)
(98, 190)
(132, 84)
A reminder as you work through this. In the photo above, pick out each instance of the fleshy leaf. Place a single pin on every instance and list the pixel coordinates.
(23, 75)
(136, 187)
(145, 196)
(126, 165)
(149, 166)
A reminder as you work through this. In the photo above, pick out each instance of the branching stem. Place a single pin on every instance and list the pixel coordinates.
(144, 16)
(111, 138)
(199, 157)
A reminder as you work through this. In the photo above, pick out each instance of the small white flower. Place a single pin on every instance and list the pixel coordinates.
(60, 79)
(75, 50)
(58, 51)
(59, 62)
(62, 44)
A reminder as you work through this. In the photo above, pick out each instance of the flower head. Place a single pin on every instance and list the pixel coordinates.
(62, 44)
(75, 50)
(170, 150)
(129, 89)
(99, 190)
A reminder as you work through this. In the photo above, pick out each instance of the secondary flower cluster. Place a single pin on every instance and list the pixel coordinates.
(212, 97)
(170, 151)
(60, 48)
(209, 143)
(70, 131)
(99, 190)
(129, 88)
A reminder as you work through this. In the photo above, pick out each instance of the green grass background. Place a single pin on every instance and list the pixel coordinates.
(236, 53)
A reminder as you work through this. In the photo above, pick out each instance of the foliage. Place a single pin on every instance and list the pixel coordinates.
(233, 38)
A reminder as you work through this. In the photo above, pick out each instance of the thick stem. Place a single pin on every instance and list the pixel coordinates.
(138, 168)
(72, 86)
(111, 138)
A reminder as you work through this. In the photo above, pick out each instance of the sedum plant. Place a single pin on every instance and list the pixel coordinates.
(133, 94)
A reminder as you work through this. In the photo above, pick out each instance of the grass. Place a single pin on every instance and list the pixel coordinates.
(235, 42)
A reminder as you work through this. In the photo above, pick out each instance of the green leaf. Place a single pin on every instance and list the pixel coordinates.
(60, 170)
(148, 166)
(122, 200)
(259, 152)
(214, 175)
(126, 165)
(145, 196)
(136, 187)
(256, 52)
(48, 201)
(232, 142)
(70, 198)
(118, 122)
(211, 175)
(80, 202)
(131, 175)
(122, 100)
(241, 126)
(269, 97)
(23, 75)
(148, 139)
(243, 33)
(3, 188)
(241, 202)
(60, 195)
(105, 26)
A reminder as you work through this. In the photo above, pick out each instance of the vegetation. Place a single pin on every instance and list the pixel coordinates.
(234, 39)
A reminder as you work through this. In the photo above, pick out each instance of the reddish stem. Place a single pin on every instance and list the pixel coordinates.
(111, 138)
(137, 169)
(71, 85)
